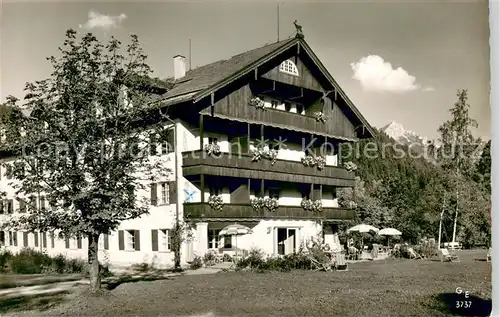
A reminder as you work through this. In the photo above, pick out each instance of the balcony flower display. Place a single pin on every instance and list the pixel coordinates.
(260, 152)
(319, 116)
(350, 166)
(271, 203)
(257, 203)
(312, 205)
(257, 103)
(212, 149)
(308, 160)
(320, 162)
(215, 202)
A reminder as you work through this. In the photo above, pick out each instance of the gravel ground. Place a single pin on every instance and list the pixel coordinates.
(381, 288)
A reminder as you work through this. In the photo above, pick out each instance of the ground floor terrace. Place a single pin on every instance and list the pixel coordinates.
(396, 287)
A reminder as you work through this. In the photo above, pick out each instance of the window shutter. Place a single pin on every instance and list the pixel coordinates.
(79, 242)
(52, 240)
(1, 206)
(66, 242)
(154, 194)
(44, 239)
(172, 192)
(15, 238)
(42, 202)
(137, 240)
(10, 206)
(170, 141)
(22, 205)
(121, 242)
(154, 239)
(106, 241)
(35, 236)
(152, 145)
(25, 239)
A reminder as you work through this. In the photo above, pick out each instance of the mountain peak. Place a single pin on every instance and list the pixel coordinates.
(396, 131)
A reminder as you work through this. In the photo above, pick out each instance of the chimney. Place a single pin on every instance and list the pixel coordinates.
(179, 66)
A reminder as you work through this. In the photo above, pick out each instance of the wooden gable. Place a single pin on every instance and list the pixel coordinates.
(305, 78)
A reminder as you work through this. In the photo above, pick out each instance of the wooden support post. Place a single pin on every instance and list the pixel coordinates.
(212, 108)
(248, 138)
(339, 154)
(202, 187)
(202, 132)
(262, 132)
(262, 191)
(311, 192)
(320, 192)
(248, 184)
(256, 74)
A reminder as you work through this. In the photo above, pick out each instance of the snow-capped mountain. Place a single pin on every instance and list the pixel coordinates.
(397, 132)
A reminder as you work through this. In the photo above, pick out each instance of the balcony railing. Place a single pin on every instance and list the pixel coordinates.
(241, 165)
(245, 212)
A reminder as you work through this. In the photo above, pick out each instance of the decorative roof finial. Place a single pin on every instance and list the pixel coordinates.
(298, 29)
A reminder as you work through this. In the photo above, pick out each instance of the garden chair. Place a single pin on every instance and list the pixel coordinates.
(414, 254)
(447, 256)
(317, 265)
(488, 255)
(340, 262)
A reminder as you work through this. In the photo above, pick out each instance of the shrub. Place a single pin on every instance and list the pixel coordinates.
(209, 259)
(141, 267)
(254, 259)
(5, 257)
(29, 261)
(196, 264)
(227, 258)
(427, 248)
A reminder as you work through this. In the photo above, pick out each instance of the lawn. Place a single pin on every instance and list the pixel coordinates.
(380, 288)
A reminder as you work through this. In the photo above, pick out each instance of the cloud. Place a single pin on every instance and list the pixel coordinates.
(101, 21)
(375, 74)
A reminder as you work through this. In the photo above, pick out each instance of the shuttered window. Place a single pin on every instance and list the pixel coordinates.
(129, 240)
(25, 239)
(35, 238)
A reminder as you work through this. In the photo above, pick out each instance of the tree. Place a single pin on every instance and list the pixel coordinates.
(458, 144)
(483, 167)
(84, 145)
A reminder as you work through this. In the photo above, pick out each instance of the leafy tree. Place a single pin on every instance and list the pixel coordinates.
(84, 145)
(483, 167)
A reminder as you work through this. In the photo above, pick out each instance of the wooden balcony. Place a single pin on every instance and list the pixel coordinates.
(245, 212)
(242, 166)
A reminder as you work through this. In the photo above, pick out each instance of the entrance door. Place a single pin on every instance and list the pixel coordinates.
(286, 240)
(290, 244)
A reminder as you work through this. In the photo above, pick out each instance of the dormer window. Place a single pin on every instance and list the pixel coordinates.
(289, 67)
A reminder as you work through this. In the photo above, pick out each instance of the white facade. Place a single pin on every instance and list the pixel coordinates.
(267, 235)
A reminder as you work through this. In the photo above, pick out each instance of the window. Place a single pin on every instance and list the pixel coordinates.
(300, 108)
(213, 238)
(10, 206)
(2, 238)
(11, 242)
(103, 243)
(33, 202)
(130, 240)
(14, 238)
(164, 237)
(215, 190)
(288, 106)
(2, 204)
(289, 67)
(164, 193)
(8, 171)
(274, 193)
(212, 140)
(35, 238)
(42, 202)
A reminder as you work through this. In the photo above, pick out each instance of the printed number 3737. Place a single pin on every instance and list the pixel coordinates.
(463, 304)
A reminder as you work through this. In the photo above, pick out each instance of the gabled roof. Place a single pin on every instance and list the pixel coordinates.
(202, 81)
(205, 76)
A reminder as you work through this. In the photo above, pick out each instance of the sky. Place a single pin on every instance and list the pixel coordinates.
(398, 61)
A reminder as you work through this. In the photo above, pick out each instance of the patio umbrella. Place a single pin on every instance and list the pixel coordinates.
(389, 232)
(235, 230)
(362, 228)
